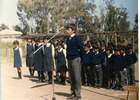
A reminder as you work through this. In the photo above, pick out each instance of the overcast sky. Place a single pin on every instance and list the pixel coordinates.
(9, 17)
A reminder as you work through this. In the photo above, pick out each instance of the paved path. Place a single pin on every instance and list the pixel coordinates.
(28, 88)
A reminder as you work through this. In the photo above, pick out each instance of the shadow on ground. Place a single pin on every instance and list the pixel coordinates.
(40, 85)
(62, 94)
(104, 94)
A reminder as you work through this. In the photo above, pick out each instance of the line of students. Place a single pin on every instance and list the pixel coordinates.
(112, 63)
(48, 58)
(100, 65)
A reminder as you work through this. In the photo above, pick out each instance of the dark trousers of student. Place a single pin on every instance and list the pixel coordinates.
(83, 75)
(131, 74)
(125, 77)
(119, 79)
(105, 76)
(74, 68)
(97, 70)
(87, 74)
(92, 81)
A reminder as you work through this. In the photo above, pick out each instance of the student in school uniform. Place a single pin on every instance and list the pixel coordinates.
(112, 45)
(75, 53)
(61, 62)
(29, 47)
(131, 60)
(17, 58)
(108, 63)
(102, 50)
(86, 64)
(95, 61)
(41, 40)
(90, 42)
(102, 46)
(38, 60)
(49, 61)
(118, 68)
(123, 54)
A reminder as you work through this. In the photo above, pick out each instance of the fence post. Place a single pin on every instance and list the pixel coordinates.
(133, 40)
(115, 38)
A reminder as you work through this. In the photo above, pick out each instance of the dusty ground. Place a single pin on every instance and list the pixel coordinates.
(29, 89)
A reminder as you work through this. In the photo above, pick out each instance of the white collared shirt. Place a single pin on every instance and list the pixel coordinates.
(130, 53)
(72, 35)
(87, 52)
(124, 54)
(96, 52)
(109, 55)
(59, 50)
(103, 50)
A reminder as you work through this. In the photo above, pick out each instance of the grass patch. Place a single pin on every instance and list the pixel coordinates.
(7, 50)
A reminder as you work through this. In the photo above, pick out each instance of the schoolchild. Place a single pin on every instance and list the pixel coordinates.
(38, 60)
(108, 63)
(131, 60)
(102, 50)
(123, 54)
(49, 61)
(90, 42)
(61, 64)
(95, 62)
(17, 58)
(86, 64)
(75, 53)
(41, 40)
(118, 68)
(29, 47)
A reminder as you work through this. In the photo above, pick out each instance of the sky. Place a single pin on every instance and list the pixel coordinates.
(8, 9)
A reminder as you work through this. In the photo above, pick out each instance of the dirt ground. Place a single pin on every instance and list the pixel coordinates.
(29, 89)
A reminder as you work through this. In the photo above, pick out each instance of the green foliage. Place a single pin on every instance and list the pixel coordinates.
(44, 16)
(3, 26)
(136, 49)
(7, 50)
(136, 23)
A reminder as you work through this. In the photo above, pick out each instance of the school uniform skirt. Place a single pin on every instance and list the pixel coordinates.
(61, 62)
(29, 59)
(17, 58)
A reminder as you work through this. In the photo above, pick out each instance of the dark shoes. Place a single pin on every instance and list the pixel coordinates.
(122, 89)
(74, 97)
(50, 81)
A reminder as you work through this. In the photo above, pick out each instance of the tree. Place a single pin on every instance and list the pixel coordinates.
(122, 15)
(136, 22)
(3, 27)
(116, 18)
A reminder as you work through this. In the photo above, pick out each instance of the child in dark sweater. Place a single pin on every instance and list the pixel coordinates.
(123, 54)
(118, 68)
(75, 52)
(131, 60)
(86, 64)
(102, 50)
(108, 63)
(95, 62)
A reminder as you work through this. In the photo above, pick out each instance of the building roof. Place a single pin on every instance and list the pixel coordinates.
(9, 32)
